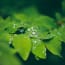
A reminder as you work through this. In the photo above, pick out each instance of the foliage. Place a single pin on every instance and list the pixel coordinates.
(30, 32)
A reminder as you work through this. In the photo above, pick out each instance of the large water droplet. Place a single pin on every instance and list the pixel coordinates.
(20, 30)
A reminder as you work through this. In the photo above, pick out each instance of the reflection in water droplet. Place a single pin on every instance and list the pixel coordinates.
(21, 30)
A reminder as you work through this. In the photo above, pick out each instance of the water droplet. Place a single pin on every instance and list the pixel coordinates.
(33, 33)
(9, 42)
(20, 30)
(45, 54)
(44, 51)
(32, 28)
(28, 29)
(35, 41)
(11, 39)
(14, 25)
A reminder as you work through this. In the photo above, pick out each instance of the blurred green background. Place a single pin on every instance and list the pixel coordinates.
(46, 7)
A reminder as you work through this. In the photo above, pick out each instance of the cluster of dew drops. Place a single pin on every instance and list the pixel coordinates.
(31, 32)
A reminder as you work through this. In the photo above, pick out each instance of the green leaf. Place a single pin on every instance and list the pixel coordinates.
(57, 33)
(45, 21)
(54, 46)
(38, 48)
(2, 24)
(22, 44)
(12, 25)
(6, 55)
(62, 31)
(4, 37)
